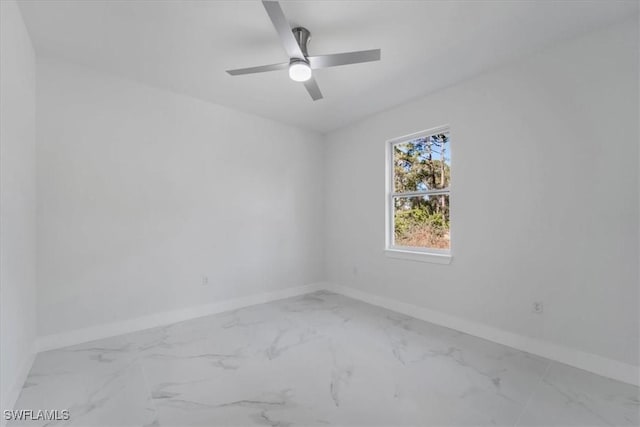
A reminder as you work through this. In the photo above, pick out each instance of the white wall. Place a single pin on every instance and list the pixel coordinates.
(17, 202)
(544, 198)
(143, 191)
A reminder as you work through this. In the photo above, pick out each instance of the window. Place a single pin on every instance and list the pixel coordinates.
(419, 171)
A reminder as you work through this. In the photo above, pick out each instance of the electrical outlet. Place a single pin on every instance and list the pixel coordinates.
(205, 280)
(538, 307)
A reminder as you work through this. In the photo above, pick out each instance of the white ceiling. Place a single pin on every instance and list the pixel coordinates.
(186, 46)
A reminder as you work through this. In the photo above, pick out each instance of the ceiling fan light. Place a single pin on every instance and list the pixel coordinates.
(299, 71)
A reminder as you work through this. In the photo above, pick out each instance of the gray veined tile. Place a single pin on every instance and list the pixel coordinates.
(279, 389)
(319, 359)
(120, 399)
(501, 379)
(98, 382)
(90, 359)
(51, 390)
(568, 396)
(70, 370)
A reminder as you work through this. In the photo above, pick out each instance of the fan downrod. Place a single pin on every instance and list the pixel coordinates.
(302, 36)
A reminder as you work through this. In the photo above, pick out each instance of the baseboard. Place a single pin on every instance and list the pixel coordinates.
(10, 397)
(587, 361)
(78, 336)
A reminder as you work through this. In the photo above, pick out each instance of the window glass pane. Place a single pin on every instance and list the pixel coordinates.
(422, 221)
(422, 164)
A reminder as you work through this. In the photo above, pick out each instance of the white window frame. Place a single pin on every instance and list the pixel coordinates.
(412, 253)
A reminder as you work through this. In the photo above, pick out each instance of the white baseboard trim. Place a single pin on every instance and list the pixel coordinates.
(78, 336)
(587, 361)
(10, 397)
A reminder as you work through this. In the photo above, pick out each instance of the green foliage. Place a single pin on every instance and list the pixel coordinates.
(419, 165)
(407, 221)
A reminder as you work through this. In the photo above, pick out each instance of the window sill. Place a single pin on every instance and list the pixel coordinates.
(431, 257)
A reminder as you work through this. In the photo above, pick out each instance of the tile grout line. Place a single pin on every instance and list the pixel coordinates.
(148, 387)
(533, 392)
(370, 320)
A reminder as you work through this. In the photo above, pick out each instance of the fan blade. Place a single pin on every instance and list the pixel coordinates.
(323, 61)
(282, 27)
(313, 89)
(260, 69)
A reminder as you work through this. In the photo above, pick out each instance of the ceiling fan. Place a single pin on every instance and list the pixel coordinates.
(300, 63)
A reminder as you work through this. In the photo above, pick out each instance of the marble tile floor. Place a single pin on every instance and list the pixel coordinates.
(316, 360)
